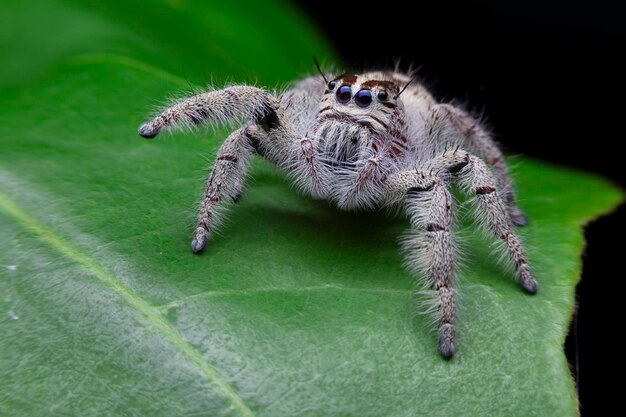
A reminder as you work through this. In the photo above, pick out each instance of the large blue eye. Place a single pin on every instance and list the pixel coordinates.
(363, 98)
(344, 94)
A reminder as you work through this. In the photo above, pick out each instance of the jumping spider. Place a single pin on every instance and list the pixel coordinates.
(365, 141)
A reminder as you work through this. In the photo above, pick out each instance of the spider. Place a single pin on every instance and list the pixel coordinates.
(365, 141)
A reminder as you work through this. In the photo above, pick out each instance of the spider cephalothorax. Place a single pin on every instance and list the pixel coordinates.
(365, 141)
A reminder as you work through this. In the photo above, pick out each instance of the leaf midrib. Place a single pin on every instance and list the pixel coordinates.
(149, 312)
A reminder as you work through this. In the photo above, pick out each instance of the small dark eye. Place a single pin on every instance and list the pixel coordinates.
(383, 96)
(331, 85)
(344, 94)
(363, 98)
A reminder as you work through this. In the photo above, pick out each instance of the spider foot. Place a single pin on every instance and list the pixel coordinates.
(237, 197)
(527, 280)
(446, 340)
(518, 218)
(199, 240)
(147, 131)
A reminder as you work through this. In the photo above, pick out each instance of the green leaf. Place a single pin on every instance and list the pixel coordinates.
(295, 309)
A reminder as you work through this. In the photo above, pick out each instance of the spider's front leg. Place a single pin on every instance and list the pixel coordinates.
(230, 168)
(429, 246)
(216, 107)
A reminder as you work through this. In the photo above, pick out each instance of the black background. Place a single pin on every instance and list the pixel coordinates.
(546, 75)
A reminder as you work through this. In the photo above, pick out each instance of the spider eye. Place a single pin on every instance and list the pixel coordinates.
(363, 98)
(331, 85)
(383, 96)
(344, 94)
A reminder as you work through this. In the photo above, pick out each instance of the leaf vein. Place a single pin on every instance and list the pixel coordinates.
(253, 291)
(149, 312)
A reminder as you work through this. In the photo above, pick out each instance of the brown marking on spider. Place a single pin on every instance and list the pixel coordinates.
(390, 86)
(347, 78)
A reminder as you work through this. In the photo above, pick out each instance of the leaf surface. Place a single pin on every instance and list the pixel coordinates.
(295, 309)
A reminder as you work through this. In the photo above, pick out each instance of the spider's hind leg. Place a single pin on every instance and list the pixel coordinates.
(490, 211)
(448, 123)
(476, 179)
(224, 184)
